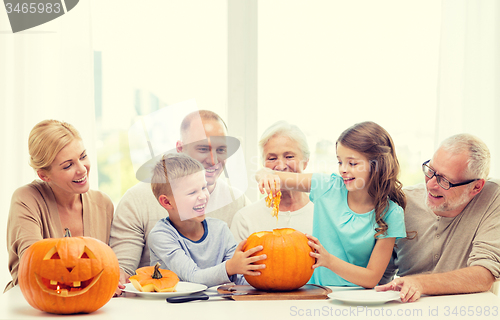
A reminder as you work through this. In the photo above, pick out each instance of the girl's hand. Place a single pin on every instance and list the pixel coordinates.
(268, 181)
(242, 262)
(323, 257)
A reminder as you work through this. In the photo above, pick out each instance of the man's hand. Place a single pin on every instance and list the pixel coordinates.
(118, 291)
(410, 288)
(123, 279)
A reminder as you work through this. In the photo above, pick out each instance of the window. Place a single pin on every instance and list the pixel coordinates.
(326, 65)
(149, 55)
(322, 65)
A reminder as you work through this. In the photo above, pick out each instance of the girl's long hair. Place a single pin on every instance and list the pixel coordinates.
(375, 143)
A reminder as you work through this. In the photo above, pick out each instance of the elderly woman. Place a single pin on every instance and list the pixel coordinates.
(284, 148)
(60, 199)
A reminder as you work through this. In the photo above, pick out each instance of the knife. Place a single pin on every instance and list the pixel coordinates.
(203, 296)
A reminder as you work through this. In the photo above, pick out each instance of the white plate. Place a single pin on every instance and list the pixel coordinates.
(182, 289)
(364, 297)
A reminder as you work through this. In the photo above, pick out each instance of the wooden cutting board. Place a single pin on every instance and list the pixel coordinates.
(306, 292)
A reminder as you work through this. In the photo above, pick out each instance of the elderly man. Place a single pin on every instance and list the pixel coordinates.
(455, 221)
(284, 148)
(138, 210)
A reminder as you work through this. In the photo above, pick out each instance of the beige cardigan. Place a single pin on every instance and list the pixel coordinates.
(34, 216)
(444, 244)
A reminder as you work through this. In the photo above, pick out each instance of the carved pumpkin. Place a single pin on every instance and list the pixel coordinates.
(288, 263)
(68, 275)
(154, 279)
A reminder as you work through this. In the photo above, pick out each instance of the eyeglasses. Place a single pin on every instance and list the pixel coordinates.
(445, 184)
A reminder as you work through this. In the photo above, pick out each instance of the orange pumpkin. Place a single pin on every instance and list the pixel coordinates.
(68, 275)
(154, 279)
(288, 263)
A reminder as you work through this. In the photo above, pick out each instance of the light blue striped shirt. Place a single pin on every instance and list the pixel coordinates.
(202, 261)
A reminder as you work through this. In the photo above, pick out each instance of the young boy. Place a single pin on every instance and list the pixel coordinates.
(198, 249)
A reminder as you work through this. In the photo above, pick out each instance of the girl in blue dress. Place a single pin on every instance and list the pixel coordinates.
(358, 213)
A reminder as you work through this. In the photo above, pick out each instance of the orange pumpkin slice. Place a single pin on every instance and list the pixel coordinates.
(154, 279)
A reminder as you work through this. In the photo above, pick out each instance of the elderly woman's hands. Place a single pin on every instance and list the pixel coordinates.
(268, 181)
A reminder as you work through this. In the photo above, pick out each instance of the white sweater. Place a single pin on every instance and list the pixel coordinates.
(257, 217)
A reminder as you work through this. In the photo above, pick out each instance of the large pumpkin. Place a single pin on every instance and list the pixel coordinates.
(154, 279)
(68, 275)
(288, 263)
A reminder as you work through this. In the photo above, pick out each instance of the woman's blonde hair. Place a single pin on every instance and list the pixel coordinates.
(375, 143)
(46, 139)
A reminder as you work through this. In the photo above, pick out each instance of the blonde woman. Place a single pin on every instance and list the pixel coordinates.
(60, 199)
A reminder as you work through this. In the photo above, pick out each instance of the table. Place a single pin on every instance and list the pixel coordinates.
(465, 306)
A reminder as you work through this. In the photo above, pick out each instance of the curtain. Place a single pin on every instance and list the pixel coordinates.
(45, 73)
(469, 73)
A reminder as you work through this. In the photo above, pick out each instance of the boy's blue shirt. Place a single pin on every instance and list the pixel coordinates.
(202, 261)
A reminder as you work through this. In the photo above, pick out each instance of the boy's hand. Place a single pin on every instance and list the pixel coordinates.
(242, 262)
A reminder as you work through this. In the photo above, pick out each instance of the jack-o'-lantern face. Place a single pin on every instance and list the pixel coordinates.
(66, 274)
(58, 275)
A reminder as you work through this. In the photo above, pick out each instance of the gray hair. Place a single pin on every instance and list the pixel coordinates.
(283, 128)
(478, 165)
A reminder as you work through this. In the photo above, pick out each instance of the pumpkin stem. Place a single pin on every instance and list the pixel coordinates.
(156, 273)
(67, 234)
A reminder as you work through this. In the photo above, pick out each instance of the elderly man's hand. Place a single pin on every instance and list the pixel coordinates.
(409, 287)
